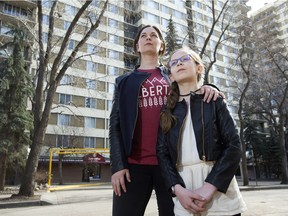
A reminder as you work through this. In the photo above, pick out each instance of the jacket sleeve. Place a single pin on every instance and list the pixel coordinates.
(227, 164)
(168, 170)
(118, 160)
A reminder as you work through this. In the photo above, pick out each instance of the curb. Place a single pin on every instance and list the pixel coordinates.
(268, 187)
(20, 204)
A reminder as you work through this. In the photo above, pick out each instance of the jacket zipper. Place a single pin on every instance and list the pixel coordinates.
(180, 136)
(203, 142)
(137, 106)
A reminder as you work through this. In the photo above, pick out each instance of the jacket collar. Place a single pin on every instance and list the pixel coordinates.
(163, 69)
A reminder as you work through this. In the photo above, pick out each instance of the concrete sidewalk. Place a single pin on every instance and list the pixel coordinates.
(58, 195)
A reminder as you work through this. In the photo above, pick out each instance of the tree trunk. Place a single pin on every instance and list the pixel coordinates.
(244, 170)
(283, 151)
(3, 168)
(28, 179)
(60, 169)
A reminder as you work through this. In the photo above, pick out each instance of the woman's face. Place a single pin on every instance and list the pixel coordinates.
(183, 67)
(149, 42)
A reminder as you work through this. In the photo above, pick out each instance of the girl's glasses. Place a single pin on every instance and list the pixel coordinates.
(184, 58)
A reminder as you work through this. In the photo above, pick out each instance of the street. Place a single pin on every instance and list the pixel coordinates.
(259, 202)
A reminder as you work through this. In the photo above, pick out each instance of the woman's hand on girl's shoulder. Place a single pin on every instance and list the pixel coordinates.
(210, 93)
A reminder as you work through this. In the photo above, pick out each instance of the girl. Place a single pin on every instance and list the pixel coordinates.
(198, 145)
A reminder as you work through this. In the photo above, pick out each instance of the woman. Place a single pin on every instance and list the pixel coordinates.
(134, 122)
(198, 145)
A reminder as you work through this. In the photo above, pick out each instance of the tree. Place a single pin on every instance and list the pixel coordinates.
(172, 40)
(15, 120)
(44, 92)
(245, 59)
(266, 98)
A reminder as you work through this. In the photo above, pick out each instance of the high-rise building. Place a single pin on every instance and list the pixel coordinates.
(271, 21)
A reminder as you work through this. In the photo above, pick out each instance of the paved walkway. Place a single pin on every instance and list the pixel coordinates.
(82, 199)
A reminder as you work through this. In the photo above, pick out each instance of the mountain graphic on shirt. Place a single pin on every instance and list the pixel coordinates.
(163, 81)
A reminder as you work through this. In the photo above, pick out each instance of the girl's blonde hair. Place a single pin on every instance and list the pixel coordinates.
(167, 120)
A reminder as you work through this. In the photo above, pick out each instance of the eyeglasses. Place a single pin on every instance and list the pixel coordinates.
(184, 58)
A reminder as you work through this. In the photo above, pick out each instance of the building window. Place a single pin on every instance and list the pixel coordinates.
(90, 122)
(180, 3)
(226, 59)
(65, 99)
(199, 27)
(90, 103)
(91, 49)
(113, 71)
(44, 37)
(64, 120)
(47, 3)
(198, 15)
(66, 25)
(113, 23)
(109, 105)
(113, 9)
(15, 11)
(71, 44)
(178, 14)
(66, 80)
(96, 3)
(45, 20)
(212, 44)
(114, 54)
(152, 4)
(151, 17)
(95, 34)
(90, 84)
(89, 142)
(200, 39)
(70, 10)
(111, 87)
(209, 19)
(114, 39)
(91, 66)
(165, 22)
(165, 9)
(5, 30)
(63, 141)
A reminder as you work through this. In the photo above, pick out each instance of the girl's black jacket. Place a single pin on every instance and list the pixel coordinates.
(123, 115)
(217, 140)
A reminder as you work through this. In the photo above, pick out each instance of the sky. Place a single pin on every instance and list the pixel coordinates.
(257, 4)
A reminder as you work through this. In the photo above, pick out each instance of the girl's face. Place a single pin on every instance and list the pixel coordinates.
(149, 42)
(183, 67)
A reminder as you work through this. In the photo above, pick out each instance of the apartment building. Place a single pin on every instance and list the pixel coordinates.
(80, 114)
(271, 20)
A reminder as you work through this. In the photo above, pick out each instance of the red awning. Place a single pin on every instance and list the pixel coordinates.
(93, 158)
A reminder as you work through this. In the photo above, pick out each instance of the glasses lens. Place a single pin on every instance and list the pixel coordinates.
(172, 63)
(185, 58)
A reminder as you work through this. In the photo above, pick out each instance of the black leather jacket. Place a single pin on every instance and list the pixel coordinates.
(123, 116)
(217, 140)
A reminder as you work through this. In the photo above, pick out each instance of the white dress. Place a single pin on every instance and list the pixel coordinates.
(194, 171)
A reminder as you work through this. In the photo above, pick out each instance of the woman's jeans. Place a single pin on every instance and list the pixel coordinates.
(144, 178)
